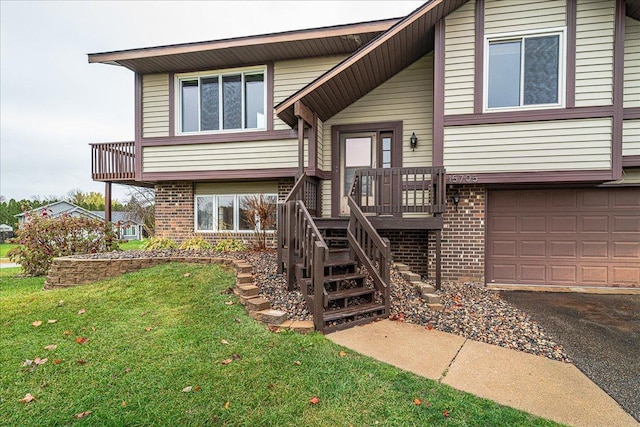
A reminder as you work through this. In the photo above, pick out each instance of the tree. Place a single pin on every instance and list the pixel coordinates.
(91, 201)
(141, 206)
(259, 211)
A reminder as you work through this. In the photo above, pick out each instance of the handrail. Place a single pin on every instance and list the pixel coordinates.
(373, 251)
(113, 161)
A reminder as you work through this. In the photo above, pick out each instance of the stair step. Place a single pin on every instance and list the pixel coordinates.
(341, 313)
(340, 263)
(346, 276)
(347, 325)
(349, 293)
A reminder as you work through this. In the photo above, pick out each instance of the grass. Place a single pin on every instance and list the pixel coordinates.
(154, 332)
(131, 245)
(4, 248)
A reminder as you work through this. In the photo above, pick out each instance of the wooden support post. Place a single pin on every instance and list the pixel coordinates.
(386, 275)
(438, 260)
(290, 224)
(300, 147)
(107, 201)
(318, 286)
(281, 230)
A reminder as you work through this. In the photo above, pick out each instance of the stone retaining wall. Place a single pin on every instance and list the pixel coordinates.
(68, 271)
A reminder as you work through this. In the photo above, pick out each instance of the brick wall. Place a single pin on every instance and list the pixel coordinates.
(284, 188)
(410, 247)
(174, 210)
(463, 236)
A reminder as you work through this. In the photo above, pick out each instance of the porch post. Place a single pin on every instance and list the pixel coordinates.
(300, 146)
(438, 260)
(107, 201)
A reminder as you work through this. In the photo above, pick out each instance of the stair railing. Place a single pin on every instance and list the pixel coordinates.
(373, 251)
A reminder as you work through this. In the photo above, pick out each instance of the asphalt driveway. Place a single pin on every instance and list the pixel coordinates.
(601, 333)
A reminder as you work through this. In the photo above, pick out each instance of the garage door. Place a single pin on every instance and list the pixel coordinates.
(585, 237)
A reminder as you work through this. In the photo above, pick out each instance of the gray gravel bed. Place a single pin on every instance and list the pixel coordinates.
(470, 309)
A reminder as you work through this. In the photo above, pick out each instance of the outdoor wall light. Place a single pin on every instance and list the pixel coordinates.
(413, 141)
(456, 199)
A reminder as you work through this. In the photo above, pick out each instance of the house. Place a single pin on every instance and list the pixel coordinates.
(483, 139)
(6, 232)
(129, 227)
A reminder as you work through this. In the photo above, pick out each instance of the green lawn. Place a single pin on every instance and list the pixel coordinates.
(4, 248)
(154, 333)
(132, 245)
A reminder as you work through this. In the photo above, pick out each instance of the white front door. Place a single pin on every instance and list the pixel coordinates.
(357, 151)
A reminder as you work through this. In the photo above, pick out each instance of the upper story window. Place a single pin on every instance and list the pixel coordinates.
(233, 100)
(524, 71)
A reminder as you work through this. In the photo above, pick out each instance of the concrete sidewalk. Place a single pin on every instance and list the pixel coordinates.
(535, 384)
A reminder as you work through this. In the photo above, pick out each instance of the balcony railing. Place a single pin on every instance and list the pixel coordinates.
(113, 161)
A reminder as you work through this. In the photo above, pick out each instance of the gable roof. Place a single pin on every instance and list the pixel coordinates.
(391, 52)
(62, 207)
(119, 216)
(251, 50)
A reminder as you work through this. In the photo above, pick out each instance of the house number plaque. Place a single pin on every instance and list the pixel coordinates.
(462, 178)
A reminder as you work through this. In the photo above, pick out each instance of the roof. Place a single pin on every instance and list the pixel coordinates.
(372, 65)
(5, 227)
(62, 207)
(118, 216)
(225, 53)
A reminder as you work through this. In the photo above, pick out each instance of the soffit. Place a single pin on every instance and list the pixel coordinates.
(633, 9)
(227, 53)
(372, 65)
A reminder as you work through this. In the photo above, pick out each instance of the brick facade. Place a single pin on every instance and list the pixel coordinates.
(174, 210)
(410, 247)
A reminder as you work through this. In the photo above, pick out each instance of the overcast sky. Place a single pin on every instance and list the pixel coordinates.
(54, 103)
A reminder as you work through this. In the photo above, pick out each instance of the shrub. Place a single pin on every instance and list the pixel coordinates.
(196, 243)
(159, 243)
(259, 212)
(230, 245)
(44, 238)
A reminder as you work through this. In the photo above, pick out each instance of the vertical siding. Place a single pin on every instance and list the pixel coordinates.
(406, 97)
(155, 105)
(459, 60)
(632, 63)
(631, 138)
(506, 16)
(535, 146)
(594, 52)
(222, 156)
(291, 76)
(326, 198)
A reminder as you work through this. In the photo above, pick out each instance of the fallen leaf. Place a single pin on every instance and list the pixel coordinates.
(50, 347)
(226, 405)
(342, 354)
(187, 389)
(148, 329)
(224, 342)
(124, 403)
(429, 327)
(236, 356)
(274, 329)
(83, 414)
(271, 386)
(445, 413)
(27, 398)
(39, 361)
(82, 340)
(229, 303)
(52, 321)
(127, 370)
(144, 314)
(81, 362)
(56, 361)
(36, 323)
(238, 320)
(66, 333)
(314, 400)
(197, 388)
(187, 274)
(226, 361)
(27, 362)
(60, 303)
(81, 311)
(417, 402)
(297, 362)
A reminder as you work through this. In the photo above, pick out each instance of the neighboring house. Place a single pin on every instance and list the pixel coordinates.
(532, 109)
(129, 228)
(6, 232)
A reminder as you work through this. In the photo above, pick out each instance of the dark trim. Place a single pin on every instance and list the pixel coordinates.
(631, 113)
(107, 201)
(478, 75)
(532, 177)
(270, 85)
(301, 164)
(529, 116)
(138, 125)
(618, 89)
(438, 94)
(172, 105)
(221, 175)
(220, 138)
(336, 130)
(570, 76)
(630, 161)
(319, 173)
(313, 143)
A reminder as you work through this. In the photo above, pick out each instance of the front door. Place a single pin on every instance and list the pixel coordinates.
(357, 151)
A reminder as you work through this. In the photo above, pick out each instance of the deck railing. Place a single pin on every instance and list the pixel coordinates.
(394, 191)
(113, 161)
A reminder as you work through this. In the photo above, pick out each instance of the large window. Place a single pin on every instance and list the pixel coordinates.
(222, 101)
(524, 71)
(233, 212)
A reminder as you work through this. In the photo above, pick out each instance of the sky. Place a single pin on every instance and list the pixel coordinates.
(53, 103)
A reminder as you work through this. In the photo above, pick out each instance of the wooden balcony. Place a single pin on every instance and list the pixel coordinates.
(113, 161)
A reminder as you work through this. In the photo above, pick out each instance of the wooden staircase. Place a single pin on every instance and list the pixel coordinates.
(342, 265)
